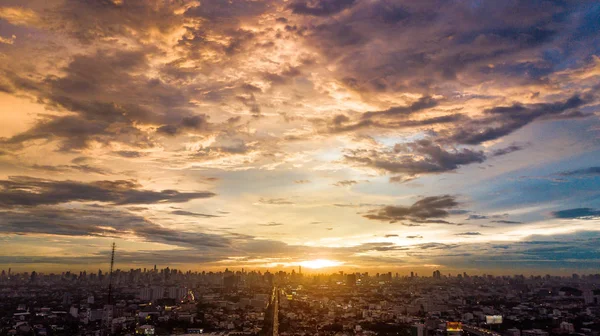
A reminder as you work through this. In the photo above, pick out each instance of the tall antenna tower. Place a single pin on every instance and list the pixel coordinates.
(112, 263)
(107, 312)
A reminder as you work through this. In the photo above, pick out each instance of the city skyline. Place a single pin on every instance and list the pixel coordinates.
(355, 135)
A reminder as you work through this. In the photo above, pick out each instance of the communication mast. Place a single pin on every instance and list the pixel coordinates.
(108, 311)
(112, 262)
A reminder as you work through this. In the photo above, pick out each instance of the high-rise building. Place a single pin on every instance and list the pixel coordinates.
(146, 294)
(158, 293)
(176, 293)
(351, 279)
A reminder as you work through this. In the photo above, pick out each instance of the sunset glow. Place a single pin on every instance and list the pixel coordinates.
(267, 134)
(320, 263)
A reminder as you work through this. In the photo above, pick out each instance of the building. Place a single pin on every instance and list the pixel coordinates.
(351, 279)
(417, 329)
(534, 332)
(567, 327)
(146, 294)
(512, 332)
(107, 316)
(158, 293)
(176, 293)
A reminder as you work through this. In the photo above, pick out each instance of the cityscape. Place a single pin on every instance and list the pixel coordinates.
(164, 301)
(300, 167)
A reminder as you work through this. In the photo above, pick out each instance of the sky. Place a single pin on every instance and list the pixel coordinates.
(364, 135)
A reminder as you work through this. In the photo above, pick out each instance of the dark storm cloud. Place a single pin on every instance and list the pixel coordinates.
(577, 213)
(420, 157)
(100, 223)
(320, 7)
(29, 191)
(423, 209)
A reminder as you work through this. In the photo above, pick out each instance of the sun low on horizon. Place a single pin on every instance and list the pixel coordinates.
(320, 263)
(390, 136)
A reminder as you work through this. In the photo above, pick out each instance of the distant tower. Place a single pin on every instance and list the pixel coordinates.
(112, 263)
(300, 269)
(108, 311)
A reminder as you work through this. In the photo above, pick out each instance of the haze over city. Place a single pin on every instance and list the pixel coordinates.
(354, 135)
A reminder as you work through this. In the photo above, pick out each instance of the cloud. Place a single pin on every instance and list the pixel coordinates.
(130, 154)
(506, 119)
(437, 246)
(84, 168)
(470, 233)
(424, 209)
(101, 223)
(475, 217)
(29, 191)
(275, 201)
(342, 123)
(19, 16)
(422, 103)
(320, 7)
(192, 123)
(409, 89)
(581, 172)
(271, 224)
(507, 150)
(7, 40)
(192, 214)
(506, 222)
(420, 157)
(357, 205)
(380, 247)
(577, 213)
(345, 183)
(92, 87)
(390, 235)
